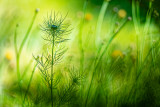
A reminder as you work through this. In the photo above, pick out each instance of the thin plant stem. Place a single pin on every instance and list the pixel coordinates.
(141, 67)
(147, 25)
(30, 80)
(142, 37)
(52, 72)
(100, 20)
(27, 34)
(136, 22)
(17, 58)
(137, 15)
(102, 44)
(22, 44)
(109, 42)
(80, 37)
(136, 19)
(55, 30)
(26, 68)
(97, 39)
(99, 59)
(81, 42)
(18, 51)
(15, 39)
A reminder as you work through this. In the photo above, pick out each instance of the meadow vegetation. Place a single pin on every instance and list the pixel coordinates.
(105, 57)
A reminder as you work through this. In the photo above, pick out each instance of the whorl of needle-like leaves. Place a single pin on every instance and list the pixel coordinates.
(55, 28)
(44, 63)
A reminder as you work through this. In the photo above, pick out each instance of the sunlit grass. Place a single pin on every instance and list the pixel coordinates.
(112, 56)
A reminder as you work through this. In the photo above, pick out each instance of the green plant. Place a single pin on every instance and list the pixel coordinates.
(141, 34)
(98, 59)
(30, 80)
(100, 21)
(118, 72)
(55, 29)
(18, 51)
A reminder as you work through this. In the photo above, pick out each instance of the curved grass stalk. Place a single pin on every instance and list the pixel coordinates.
(30, 80)
(156, 45)
(97, 62)
(136, 22)
(110, 33)
(15, 39)
(52, 71)
(143, 65)
(147, 23)
(109, 42)
(135, 15)
(136, 19)
(147, 26)
(26, 69)
(80, 37)
(81, 42)
(100, 20)
(101, 46)
(18, 51)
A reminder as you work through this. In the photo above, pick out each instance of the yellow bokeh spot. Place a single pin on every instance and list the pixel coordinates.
(8, 55)
(88, 16)
(122, 13)
(117, 53)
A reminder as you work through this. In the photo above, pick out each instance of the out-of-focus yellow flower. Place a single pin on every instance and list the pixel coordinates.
(88, 16)
(117, 53)
(122, 13)
(9, 55)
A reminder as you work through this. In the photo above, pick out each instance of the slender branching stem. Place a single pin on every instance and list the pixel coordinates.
(80, 37)
(97, 39)
(144, 62)
(109, 42)
(100, 58)
(141, 37)
(52, 71)
(18, 72)
(55, 30)
(27, 34)
(100, 20)
(81, 42)
(15, 39)
(30, 80)
(136, 21)
(18, 51)
(147, 26)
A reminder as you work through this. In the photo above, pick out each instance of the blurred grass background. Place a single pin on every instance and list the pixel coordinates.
(13, 12)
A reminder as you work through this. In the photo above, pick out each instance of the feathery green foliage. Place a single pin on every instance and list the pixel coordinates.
(55, 30)
(111, 58)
